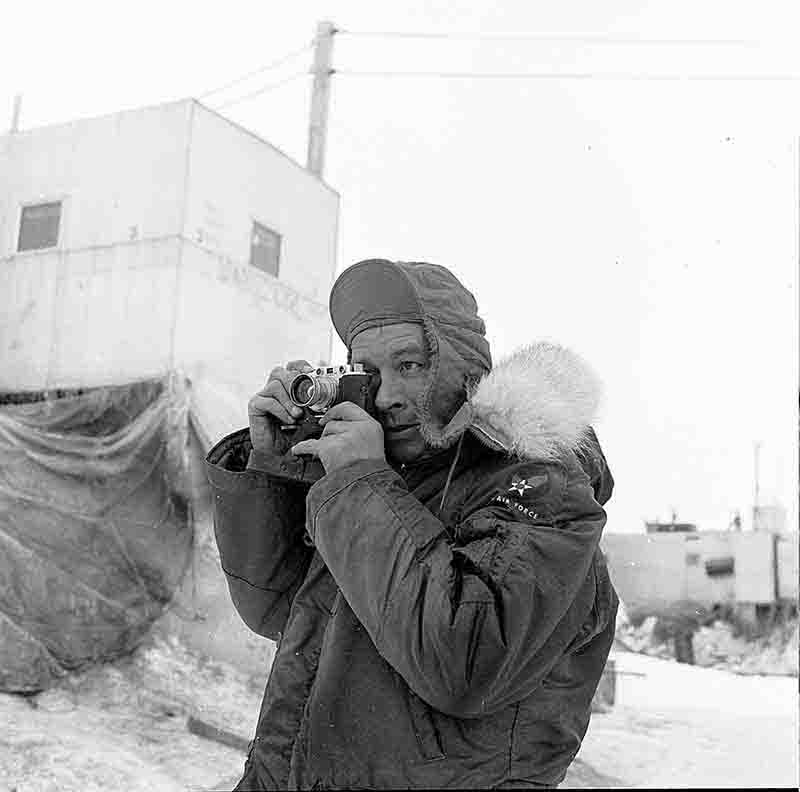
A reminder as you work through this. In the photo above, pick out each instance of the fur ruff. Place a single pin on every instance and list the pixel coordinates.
(537, 403)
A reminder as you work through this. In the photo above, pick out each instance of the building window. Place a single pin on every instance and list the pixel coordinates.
(265, 249)
(38, 226)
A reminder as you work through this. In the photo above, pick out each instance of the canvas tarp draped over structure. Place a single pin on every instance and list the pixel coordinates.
(95, 530)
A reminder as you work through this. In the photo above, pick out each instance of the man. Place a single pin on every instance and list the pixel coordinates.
(442, 610)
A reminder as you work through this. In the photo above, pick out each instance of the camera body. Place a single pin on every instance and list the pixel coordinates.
(316, 392)
(325, 387)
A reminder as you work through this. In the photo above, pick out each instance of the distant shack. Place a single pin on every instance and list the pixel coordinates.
(670, 527)
(753, 571)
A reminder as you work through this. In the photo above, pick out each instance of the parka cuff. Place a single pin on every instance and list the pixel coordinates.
(226, 465)
(377, 474)
(258, 461)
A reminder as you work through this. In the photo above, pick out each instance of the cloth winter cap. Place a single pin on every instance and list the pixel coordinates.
(378, 292)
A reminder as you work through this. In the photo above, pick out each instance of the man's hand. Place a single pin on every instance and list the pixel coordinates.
(349, 435)
(271, 407)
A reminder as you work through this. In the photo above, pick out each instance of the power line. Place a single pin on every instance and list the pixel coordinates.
(274, 65)
(595, 38)
(571, 75)
(264, 89)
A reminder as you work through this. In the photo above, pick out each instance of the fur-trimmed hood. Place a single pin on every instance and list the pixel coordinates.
(537, 403)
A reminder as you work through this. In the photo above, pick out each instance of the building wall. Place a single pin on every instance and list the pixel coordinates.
(787, 562)
(770, 517)
(754, 553)
(89, 317)
(701, 548)
(647, 570)
(231, 186)
(236, 323)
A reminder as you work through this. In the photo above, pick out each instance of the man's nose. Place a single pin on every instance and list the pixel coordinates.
(387, 395)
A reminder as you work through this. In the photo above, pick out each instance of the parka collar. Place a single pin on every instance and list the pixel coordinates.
(537, 403)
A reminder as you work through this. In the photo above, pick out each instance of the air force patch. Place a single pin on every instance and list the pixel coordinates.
(515, 506)
(525, 496)
(522, 485)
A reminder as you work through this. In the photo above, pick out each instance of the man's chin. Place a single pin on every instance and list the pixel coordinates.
(403, 450)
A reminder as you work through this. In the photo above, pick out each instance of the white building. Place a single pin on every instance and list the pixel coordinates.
(156, 240)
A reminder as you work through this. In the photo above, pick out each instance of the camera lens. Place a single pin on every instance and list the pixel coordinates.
(301, 390)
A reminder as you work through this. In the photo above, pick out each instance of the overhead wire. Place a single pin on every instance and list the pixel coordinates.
(569, 75)
(597, 38)
(269, 67)
(264, 89)
(583, 37)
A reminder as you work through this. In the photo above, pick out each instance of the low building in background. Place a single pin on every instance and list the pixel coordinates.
(669, 527)
(657, 571)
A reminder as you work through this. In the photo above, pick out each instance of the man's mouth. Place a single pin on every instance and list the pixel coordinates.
(394, 431)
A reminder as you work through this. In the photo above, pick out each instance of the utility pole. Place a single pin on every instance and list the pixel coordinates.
(16, 114)
(320, 97)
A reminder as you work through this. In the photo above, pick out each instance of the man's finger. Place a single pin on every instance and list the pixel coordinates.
(285, 375)
(299, 365)
(273, 376)
(346, 411)
(267, 405)
(336, 427)
(276, 385)
(306, 447)
(278, 389)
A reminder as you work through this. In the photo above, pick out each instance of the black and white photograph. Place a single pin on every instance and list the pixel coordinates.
(399, 395)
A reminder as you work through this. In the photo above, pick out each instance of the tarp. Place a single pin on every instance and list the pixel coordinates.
(95, 533)
(216, 408)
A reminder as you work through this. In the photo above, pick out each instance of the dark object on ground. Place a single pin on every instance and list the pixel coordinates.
(684, 647)
(210, 732)
(605, 694)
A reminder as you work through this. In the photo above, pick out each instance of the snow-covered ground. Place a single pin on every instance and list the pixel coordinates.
(124, 726)
(683, 726)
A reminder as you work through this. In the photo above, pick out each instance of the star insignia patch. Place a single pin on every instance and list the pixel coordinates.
(521, 485)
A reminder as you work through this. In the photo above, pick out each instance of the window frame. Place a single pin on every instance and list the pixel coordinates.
(255, 222)
(41, 201)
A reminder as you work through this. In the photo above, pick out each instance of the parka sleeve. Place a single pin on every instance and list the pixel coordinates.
(474, 624)
(259, 528)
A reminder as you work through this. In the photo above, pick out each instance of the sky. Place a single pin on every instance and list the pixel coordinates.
(650, 225)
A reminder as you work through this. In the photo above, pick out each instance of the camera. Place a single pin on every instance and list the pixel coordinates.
(327, 386)
(316, 392)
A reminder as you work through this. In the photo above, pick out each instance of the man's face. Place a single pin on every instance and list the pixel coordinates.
(398, 355)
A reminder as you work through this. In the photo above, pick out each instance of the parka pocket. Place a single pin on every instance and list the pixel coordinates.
(428, 737)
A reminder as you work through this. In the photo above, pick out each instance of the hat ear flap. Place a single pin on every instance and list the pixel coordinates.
(444, 410)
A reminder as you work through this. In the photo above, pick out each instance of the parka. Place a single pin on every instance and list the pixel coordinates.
(439, 625)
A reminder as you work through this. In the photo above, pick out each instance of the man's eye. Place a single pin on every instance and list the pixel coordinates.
(410, 366)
